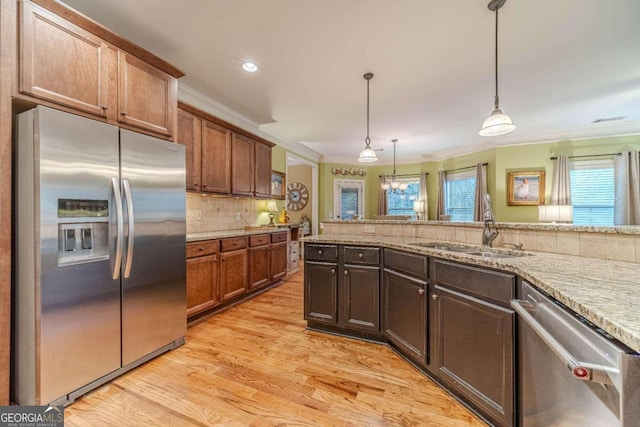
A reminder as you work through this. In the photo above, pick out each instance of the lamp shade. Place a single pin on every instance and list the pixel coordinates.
(496, 124)
(367, 155)
(555, 213)
(271, 206)
(418, 206)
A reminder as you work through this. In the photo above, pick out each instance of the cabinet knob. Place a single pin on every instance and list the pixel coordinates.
(346, 272)
(201, 248)
(319, 251)
(421, 291)
(333, 271)
(124, 113)
(360, 255)
(105, 108)
(434, 297)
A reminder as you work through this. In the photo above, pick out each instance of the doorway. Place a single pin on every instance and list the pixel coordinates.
(348, 199)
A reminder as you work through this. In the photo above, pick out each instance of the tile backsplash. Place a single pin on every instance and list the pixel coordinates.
(218, 213)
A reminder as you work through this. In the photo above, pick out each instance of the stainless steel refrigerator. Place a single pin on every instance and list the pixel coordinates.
(99, 251)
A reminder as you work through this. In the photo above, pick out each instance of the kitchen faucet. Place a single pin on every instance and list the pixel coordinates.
(488, 235)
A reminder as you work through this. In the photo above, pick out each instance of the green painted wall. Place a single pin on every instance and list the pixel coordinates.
(532, 157)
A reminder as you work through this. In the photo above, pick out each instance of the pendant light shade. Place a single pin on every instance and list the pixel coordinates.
(497, 123)
(367, 155)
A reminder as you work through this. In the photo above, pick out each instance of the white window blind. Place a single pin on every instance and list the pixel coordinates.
(460, 190)
(592, 192)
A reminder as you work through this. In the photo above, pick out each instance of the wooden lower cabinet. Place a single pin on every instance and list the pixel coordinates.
(203, 291)
(233, 273)
(259, 266)
(321, 292)
(404, 320)
(360, 296)
(278, 260)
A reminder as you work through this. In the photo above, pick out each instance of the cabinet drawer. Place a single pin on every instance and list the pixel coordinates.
(477, 281)
(321, 252)
(260, 240)
(198, 249)
(278, 237)
(361, 255)
(233, 243)
(407, 263)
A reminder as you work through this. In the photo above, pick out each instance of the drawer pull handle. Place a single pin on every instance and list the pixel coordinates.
(124, 113)
(421, 291)
(201, 248)
(319, 251)
(360, 255)
(434, 297)
(346, 272)
(105, 108)
(333, 271)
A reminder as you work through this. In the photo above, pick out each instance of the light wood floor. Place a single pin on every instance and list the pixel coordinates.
(256, 365)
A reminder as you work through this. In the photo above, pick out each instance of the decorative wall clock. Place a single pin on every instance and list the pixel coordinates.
(297, 196)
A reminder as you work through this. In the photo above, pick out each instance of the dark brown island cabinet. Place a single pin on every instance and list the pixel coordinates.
(342, 289)
(451, 320)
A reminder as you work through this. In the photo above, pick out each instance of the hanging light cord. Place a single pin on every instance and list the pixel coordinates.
(394, 159)
(497, 99)
(367, 140)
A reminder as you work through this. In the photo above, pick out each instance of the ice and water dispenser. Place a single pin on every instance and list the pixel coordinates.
(85, 238)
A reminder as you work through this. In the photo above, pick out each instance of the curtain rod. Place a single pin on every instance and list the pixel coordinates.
(589, 155)
(466, 167)
(403, 175)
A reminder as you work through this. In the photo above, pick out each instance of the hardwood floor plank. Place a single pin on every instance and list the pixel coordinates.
(256, 364)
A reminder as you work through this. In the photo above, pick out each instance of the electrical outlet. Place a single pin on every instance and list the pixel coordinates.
(237, 216)
(198, 214)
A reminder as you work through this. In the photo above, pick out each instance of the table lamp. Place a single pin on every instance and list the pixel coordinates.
(272, 209)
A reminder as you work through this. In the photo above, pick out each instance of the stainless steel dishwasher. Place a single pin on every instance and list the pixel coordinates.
(570, 373)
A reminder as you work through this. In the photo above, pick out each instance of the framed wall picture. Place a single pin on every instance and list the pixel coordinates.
(278, 185)
(525, 188)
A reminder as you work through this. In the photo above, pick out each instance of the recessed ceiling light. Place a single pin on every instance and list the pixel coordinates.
(250, 67)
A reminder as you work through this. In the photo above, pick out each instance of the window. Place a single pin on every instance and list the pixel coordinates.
(402, 204)
(592, 194)
(459, 196)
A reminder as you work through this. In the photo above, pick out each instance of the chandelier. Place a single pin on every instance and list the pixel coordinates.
(394, 186)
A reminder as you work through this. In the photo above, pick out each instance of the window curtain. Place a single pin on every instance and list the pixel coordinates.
(627, 189)
(424, 196)
(561, 186)
(382, 197)
(481, 190)
(440, 208)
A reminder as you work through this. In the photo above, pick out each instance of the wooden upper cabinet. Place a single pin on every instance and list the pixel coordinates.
(147, 97)
(67, 60)
(63, 63)
(189, 135)
(262, 170)
(216, 158)
(242, 166)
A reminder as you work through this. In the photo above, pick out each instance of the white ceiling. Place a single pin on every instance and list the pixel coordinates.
(563, 64)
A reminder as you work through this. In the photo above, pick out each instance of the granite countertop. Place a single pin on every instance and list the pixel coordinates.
(605, 292)
(210, 235)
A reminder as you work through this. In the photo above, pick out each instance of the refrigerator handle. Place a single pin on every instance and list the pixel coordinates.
(120, 227)
(131, 234)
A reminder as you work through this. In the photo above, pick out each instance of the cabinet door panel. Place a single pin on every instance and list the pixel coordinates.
(147, 97)
(189, 135)
(259, 265)
(63, 63)
(360, 297)
(320, 296)
(202, 281)
(404, 313)
(474, 351)
(262, 170)
(242, 166)
(216, 158)
(278, 260)
(233, 274)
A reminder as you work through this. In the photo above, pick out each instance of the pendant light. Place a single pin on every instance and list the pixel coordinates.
(497, 123)
(367, 155)
(394, 186)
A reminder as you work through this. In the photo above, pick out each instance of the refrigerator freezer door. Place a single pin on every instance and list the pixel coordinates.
(69, 249)
(154, 277)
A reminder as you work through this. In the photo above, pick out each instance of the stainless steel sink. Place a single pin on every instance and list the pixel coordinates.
(472, 250)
